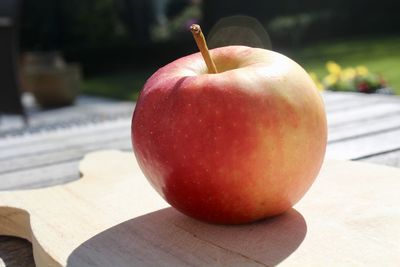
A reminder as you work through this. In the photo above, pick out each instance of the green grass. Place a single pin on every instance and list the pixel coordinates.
(380, 55)
(120, 85)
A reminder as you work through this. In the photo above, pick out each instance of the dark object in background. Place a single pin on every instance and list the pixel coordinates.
(10, 98)
(136, 15)
(294, 23)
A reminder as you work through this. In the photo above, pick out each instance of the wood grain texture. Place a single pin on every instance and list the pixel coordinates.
(74, 131)
(367, 127)
(349, 101)
(112, 217)
(334, 98)
(62, 154)
(363, 146)
(390, 158)
(64, 141)
(41, 177)
(66, 117)
(361, 113)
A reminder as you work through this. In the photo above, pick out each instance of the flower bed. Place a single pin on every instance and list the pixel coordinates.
(351, 79)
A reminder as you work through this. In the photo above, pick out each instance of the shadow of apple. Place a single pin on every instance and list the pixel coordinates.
(168, 238)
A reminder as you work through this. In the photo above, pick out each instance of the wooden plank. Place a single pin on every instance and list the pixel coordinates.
(67, 153)
(66, 117)
(390, 159)
(351, 104)
(61, 142)
(331, 98)
(363, 128)
(337, 97)
(53, 169)
(363, 113)
(356, 103)
(336, 101)
(364, 146)
(74, 131)
(40, 177)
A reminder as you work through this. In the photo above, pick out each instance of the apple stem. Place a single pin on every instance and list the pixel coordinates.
(202, 45)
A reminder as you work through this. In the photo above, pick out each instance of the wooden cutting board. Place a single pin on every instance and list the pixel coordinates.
(112, 217)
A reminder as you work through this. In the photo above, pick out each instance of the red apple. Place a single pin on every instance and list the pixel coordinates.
(232, 147)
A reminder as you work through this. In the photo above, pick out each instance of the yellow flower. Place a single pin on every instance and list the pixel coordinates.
(330, 79)
(333, 68)
(348, 74)
(361, 70)
(314, 77)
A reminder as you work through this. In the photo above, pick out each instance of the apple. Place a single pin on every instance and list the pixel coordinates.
(233, 147)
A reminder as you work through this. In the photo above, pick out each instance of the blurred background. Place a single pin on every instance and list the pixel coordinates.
(110, 47)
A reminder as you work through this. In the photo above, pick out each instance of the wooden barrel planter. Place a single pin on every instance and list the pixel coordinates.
(52, 82)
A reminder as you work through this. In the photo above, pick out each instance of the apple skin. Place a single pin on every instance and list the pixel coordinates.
(233, 147)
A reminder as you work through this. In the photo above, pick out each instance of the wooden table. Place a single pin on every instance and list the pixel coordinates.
(361, 127)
